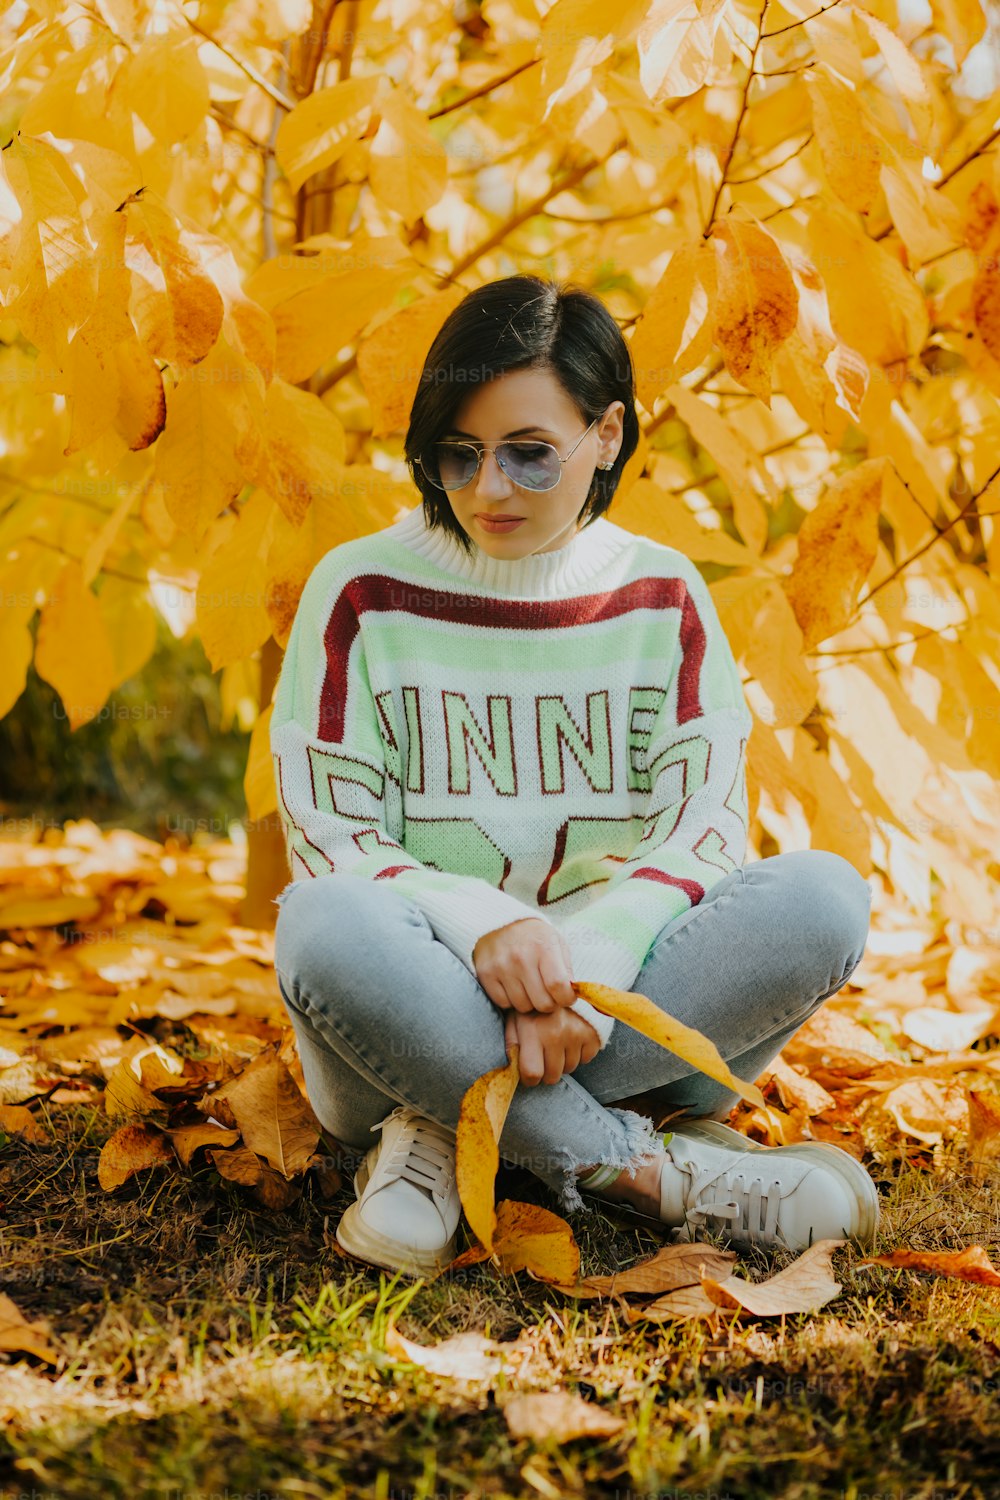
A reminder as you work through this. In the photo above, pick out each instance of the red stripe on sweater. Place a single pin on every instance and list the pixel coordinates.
(375, 591)
(691, 888)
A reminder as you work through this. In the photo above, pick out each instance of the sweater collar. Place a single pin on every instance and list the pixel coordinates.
(539, 575)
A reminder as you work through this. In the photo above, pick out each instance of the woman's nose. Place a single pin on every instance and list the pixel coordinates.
(491, 481)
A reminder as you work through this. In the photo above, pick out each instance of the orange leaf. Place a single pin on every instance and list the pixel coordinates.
(18, 1336)
(757, 302)
(528, 1237)
(970, 1264)
(133, 1148)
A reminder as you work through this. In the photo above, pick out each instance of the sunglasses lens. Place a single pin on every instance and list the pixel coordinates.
(449, 467)
(534, 466)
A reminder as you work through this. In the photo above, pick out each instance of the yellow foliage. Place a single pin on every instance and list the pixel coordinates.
(227, 243)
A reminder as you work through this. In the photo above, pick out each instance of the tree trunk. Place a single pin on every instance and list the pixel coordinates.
(267, 862)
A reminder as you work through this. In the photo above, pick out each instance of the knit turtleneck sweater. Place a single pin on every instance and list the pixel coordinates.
(560, 735)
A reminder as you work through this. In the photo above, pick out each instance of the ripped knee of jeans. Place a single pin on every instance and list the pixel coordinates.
(642, 1144)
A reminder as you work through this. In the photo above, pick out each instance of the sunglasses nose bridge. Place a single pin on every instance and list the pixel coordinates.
(486, 457)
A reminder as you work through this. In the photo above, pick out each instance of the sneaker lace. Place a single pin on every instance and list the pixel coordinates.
(423, 1152)
(745, 1205)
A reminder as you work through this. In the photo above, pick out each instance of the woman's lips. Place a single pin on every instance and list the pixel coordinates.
(499, 523)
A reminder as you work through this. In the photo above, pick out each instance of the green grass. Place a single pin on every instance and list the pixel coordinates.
(215, 1348)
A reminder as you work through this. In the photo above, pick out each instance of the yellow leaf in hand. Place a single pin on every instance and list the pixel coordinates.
(639, 1012)
(477, 1153)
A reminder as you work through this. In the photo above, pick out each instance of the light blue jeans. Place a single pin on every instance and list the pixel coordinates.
(385, 1014)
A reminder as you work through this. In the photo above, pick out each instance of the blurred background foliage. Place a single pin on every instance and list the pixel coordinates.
(165, 755)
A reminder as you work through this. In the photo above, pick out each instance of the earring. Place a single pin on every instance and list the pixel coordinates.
(607, 465)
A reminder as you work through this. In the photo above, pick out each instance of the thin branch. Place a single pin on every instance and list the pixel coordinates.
(632, 213)
(787, 207)
(230, 124)
(740, 115)
(795, 68)
(703, 479)
(778, 30)
(739, 181)
(111, 572)
(44, 489)
(923, 511)
(663, 416)
(256, 197)
(486, 88)
(926, 546)
(345, 58)
(517, 149)
(245, 67)
(536, 206)
(316, 53)
(893, 645)
(571, 180)
(269, 240)
(994, 135)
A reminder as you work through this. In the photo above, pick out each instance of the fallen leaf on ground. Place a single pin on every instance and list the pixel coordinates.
(970, 1264)
(271, 1114)
(942, 1030)
(468, 1357)
(529, 1237)
(927, 1109)
(18, 1336)
(187, 1138)
(237, 1164)
(984, 1129)
(685, 1302)
(17, 1119)
(807, 1284)
(133, 1148)
(672, 1266)
(799, 1089)
(558, 1415)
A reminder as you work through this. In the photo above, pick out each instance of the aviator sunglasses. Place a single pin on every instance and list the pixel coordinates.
(528, 463)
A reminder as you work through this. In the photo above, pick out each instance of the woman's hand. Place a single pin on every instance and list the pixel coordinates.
(550, 1045)
(526, 966)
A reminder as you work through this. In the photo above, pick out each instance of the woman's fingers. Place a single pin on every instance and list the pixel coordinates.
(510, 1036)
(532, 1056)
(550, 1046)
(520, 994)
(554, 973)
(555, 1061)
(526, 966)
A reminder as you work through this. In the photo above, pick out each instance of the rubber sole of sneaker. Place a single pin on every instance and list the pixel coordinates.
(354, 1235)
(847, 1167)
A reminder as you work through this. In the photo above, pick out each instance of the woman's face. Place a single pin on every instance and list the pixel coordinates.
(529, 404)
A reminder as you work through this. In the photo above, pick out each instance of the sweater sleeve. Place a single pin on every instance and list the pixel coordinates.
(334, 767)
(696, 823)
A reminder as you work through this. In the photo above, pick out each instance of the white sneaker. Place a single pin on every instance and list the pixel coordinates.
(407, 1210)
(776, 1197)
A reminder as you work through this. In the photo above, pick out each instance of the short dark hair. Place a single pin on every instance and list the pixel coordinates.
(520, 323)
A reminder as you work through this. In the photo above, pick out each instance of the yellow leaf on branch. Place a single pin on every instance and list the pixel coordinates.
(758, 303)
(321, 128)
